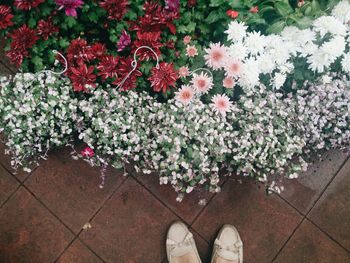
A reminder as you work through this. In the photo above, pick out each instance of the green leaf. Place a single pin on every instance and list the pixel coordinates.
(284, 9)
(215, 16)
(276, 27)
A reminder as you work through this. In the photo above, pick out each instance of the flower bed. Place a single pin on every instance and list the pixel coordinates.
(261, 106)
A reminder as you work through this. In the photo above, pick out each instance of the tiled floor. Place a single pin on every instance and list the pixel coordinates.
(58, 213)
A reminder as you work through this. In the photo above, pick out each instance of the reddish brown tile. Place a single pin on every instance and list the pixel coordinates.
(309, 244)
(264, 222)
(303, 192)
(8, 184)
(78, 253)
(131, 227)
(29, 232)
(70, 188)
(3, 57)
(5, 160)
(332, 212)
(188, 209)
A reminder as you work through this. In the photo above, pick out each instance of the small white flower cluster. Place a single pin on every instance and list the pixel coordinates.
(252, 58)
(186, 145)
(264, 136)
(37, 113)
(324, 111)
(269, 137)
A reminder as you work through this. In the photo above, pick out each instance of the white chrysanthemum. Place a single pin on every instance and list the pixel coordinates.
(290, 32)
(346, 62)
(308, 49)
(250, 74)
(255, 43)
(319, 61)
(342, 11)
(278, 80)
(334, 48)
(266, 63)
(329, 24)
(236, 31)
(238, 51)
(304, 36)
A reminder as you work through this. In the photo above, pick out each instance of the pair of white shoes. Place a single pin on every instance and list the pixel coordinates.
(181, 247)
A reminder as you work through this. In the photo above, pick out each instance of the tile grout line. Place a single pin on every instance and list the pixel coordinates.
(201, 212)
(309, 210)
(327, 185)
(288, 239)
(328, 235)
(76, 236)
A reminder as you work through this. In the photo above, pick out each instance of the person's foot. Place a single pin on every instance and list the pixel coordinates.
(180, 245)
(228, 246)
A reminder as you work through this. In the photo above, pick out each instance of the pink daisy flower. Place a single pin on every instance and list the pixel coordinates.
(191, 51)
(187, 39)
(185, 94)
(228, 83)
(233, 68)
(202, 83)
(221, 104)
(216, 56)
(184, 72)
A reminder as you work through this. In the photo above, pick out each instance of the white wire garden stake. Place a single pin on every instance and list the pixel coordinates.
(202, 69)
(53, 72)
(134, 64)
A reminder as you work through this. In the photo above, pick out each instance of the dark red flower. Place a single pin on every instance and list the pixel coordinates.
(27, 4)
(16, 56)
(82, 76)
(155, 19)
(125, 67)
(164, 77)
(116, 8)
(124, 41)
(23, 37)
(150, 39)
(108, 67)
(88, 152)
(46, 28)
(79, 52)
(5, 17)
(172, 5)
(191, 3)
(98, 50)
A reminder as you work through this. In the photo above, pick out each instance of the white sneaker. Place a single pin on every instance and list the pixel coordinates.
(180, 245)
(228, 245)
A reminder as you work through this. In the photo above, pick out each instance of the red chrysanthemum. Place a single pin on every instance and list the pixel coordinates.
(150, 39)
(5, 17)
(108, 67)
(82, 76)
(46, 28)
(125, 67)
(116, 8)
(16, 56)
(23, 38)
(164, 77)
(79, 52)
(98, 50)
(27, 4)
